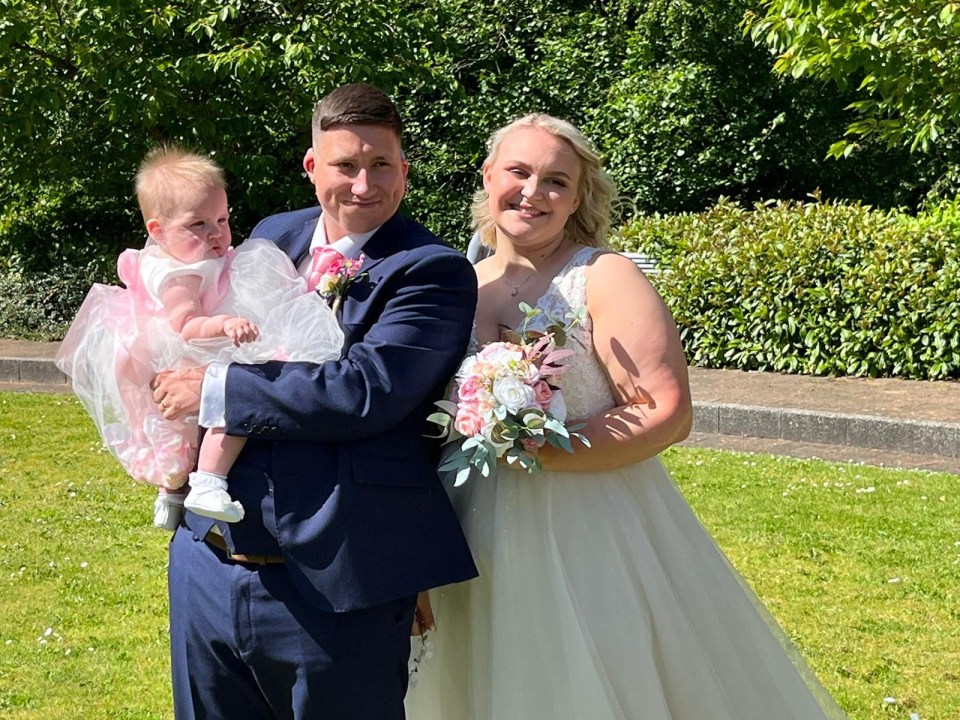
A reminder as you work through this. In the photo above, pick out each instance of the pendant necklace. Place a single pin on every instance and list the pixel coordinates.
(514, 289)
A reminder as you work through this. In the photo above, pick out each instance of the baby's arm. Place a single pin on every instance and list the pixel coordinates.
(181, 300)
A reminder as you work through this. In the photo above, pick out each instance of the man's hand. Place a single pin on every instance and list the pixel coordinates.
(423, 615)
(177, 392)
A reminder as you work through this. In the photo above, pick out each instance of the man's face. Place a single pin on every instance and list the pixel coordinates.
(360, 177)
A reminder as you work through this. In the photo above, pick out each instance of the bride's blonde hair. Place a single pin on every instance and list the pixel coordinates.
(590, 224)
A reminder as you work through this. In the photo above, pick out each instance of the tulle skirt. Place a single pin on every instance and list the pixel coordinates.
(602, 597)
(114, 348)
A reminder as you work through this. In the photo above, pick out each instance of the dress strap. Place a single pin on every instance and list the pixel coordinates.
(572, 280)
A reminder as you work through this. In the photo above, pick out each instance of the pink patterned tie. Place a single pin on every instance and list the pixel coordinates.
(323, 257)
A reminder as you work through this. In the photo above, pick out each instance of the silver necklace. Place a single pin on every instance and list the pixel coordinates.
(548, 258)
(514, 289)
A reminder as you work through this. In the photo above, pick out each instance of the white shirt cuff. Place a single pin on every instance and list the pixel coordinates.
(213, 405)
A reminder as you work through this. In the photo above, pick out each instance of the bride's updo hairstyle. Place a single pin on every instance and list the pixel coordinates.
(590, 224)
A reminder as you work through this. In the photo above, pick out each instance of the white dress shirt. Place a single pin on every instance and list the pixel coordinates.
(213, 392)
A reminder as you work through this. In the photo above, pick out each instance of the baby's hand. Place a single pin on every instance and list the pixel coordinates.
(240, 330)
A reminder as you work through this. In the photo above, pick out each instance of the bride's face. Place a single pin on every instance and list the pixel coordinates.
(532, 183)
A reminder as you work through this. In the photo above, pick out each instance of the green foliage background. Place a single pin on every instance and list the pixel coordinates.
(682, 103)
(901, 59)
(685, 107)
(813, 288)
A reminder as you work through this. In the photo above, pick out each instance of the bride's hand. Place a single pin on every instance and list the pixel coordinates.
(423, 615)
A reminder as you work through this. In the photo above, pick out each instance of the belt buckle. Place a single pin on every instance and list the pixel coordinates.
(218, 542)
(256, 559)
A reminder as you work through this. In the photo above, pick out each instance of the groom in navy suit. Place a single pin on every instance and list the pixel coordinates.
(303, 609)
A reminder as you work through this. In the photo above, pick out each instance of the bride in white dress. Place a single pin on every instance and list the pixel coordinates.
(600, 595)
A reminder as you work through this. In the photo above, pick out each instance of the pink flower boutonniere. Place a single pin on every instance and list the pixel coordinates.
(331, 274)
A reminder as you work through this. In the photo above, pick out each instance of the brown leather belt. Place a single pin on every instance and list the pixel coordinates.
(218, 542)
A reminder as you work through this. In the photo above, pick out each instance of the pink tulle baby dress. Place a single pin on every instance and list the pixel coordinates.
(121, 338)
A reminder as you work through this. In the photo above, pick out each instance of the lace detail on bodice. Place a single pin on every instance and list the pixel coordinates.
(586, 390)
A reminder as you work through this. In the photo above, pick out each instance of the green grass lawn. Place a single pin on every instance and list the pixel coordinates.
(860, 565)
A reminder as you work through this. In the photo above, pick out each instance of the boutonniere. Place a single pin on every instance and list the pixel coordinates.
(331, 274)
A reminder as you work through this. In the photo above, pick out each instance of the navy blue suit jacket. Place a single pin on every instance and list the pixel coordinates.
(337, 474)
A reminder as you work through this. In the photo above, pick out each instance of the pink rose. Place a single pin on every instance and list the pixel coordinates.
(468, 422)
(542, 394)
(337, 264)
(470, 389)
(501, 353)
(324, 259)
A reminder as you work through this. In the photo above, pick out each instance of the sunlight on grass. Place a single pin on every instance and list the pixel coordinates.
(82, 573)
(860, 565)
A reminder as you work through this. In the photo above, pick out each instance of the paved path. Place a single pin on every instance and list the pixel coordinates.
(901, 423)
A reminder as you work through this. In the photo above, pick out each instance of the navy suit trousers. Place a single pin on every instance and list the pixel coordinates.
(246, 628)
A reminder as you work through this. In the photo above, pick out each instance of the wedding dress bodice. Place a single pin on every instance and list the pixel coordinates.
(586, 390)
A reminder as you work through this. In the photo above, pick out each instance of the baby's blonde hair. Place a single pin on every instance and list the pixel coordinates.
(590, 223)
(170, 177)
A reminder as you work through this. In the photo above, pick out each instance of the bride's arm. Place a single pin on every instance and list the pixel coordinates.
(637, 343)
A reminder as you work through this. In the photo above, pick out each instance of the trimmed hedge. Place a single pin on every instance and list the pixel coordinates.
(41, 305)
(813, 288)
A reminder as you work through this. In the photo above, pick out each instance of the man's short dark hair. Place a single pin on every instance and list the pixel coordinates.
(356, 104)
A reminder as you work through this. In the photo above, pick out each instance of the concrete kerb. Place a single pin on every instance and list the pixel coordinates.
(717, 418)
(41, 371)
(828, 428)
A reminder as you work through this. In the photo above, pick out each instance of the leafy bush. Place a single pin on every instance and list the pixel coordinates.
(696, 113)
(60, 226)
(684, 106)
(815, 288)
(41, 305)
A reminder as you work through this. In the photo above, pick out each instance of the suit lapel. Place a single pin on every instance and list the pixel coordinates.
(383, 243)
(297, 243)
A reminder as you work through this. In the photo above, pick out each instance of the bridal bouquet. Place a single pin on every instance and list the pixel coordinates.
(504, 404)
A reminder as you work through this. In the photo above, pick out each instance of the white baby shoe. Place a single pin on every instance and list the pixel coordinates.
(168, 511)
(208, 496)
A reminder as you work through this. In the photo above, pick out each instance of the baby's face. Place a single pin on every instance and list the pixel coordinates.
(197, 230)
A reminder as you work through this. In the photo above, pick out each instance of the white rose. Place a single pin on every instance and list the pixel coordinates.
(467, 366)
(513, 394)
(327, 284)
(501, 354)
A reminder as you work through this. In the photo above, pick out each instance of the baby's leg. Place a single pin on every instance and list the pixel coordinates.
(168, 508)
(208, 494)
(219, 451)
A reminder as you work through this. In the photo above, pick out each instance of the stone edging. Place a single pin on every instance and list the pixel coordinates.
(828, 428)
(807, 426)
